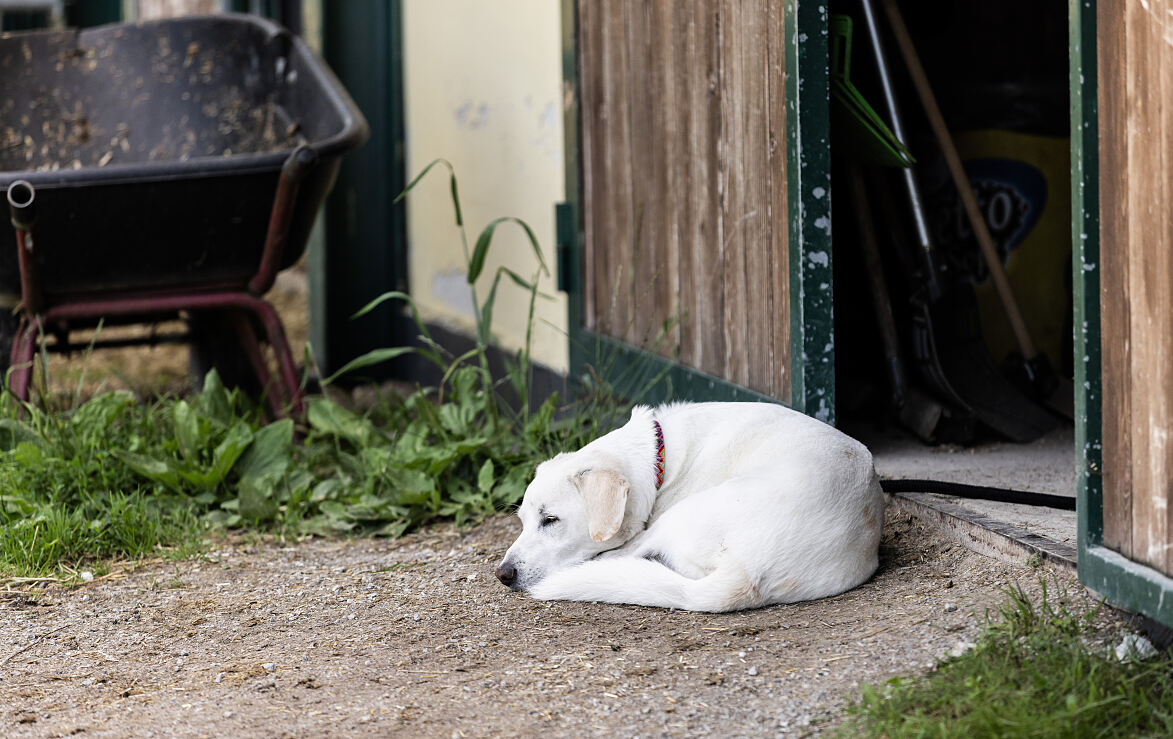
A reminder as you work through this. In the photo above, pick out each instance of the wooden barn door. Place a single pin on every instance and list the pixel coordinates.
(1124, 64)
(705, 246)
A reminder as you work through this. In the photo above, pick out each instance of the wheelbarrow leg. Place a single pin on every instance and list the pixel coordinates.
(247, 338)
(24, 351)
(275, 333)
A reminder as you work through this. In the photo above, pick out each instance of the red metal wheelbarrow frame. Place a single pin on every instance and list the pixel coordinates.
(242, 302)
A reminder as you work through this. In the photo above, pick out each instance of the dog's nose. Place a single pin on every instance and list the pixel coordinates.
(507, 574)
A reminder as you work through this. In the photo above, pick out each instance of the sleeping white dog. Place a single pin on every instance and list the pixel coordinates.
(701, 507)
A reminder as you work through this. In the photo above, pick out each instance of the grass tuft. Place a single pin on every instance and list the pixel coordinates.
(1036, 672)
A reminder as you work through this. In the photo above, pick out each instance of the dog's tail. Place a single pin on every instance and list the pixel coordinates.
(648, 583)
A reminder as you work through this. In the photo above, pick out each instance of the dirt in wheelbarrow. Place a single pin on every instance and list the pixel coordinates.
(414, 637)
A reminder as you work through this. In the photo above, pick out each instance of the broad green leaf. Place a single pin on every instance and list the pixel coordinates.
(162, 471)
(485, 477)
(326, 490)
(457, 418)
(187, 431)
(102, 411)
(234, 444)
(328, 417)
(271, 452)
(214, 400)
(257, 499)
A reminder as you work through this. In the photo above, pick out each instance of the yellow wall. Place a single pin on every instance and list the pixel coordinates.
(483, 85)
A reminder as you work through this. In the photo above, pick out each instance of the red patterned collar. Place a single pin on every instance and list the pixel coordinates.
(659, 454)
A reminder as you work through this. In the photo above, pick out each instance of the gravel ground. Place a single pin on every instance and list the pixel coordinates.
(414, 637)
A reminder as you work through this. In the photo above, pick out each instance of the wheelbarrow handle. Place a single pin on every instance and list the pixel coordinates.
(21, 207)
(297, 165)
(22, 211)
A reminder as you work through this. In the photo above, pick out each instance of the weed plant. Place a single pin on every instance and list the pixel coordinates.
(112, 477)
(1035, 672)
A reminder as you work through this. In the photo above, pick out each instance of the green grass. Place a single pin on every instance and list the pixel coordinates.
(112, 478)
(1035, 672)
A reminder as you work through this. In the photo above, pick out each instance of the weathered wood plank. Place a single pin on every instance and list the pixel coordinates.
(1149, 283)
(1114, 305)
(778, 204)
(616, 263)
(732, 32)
(646, 202)
(755, 220)
(685, 177)
(1161, 37)
(702, 257)
(593, 164)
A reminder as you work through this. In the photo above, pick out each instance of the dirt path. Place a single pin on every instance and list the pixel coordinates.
(415, 638)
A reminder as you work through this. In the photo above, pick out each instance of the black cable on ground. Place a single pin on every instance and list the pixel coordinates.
(978, 492)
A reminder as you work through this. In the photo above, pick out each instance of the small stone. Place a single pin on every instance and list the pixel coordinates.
(269, 667)
(752, 671)
(959, 649)
(86, 576)
(741, 654)
(951, 608)
(219, 678)
(229, 714)
(1135, 647)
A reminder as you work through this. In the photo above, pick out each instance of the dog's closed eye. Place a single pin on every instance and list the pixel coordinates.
(549, 520)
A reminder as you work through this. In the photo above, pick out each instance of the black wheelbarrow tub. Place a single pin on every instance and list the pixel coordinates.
(155, 149)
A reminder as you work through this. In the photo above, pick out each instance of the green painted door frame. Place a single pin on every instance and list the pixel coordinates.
(366, 231)
(1123, 582)
(651, 378)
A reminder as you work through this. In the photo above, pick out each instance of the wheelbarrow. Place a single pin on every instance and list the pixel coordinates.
(162, 170)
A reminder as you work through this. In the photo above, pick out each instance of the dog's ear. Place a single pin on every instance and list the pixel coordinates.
(605, 492)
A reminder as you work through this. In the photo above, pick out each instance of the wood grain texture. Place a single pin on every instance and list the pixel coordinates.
(702, 258)
(1136, 125)
(592, 164)
(615, 256)
(779, 230)
(684, 183)
(755, 219)
(733, 203)
(1114, 307)
(646, 201)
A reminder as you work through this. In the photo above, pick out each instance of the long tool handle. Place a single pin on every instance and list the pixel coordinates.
(881, 302)
(953, 161)
(915, 201)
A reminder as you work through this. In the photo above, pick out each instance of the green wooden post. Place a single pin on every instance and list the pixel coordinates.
(808, 130)
(366, 232)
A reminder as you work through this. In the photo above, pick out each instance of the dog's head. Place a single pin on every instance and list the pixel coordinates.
(571, 512)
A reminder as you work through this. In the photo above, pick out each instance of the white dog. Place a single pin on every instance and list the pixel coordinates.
(702, 507)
